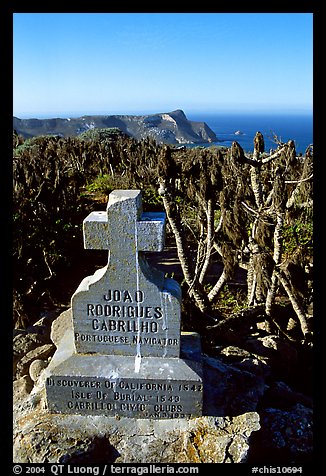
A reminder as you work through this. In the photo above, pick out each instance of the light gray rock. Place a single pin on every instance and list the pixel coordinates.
(42, 353)
(42, 437)
(234, 353)
(26, 341)
(22, 388)
(36, 368)
(23, 343)
(60, 325)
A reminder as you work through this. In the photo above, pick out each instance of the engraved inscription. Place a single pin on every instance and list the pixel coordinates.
(123, 318)
(127, 307)
(145, 399)
(126, 358)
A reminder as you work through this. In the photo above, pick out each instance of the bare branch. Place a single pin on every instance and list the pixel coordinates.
(294, 301)
(274, 156)
(47, 265)
(209, 238)
(278, 246)
(251, 210)
(219, 226)
(218, 286)
(184, 258)
(296, 181)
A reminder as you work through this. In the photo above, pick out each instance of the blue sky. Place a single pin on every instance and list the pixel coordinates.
(71, 64)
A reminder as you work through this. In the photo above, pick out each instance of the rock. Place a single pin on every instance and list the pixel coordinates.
(230, 391)
(282, 396)
(244, 360)
(42, 352)
(171, 127)
(281, 355)
(234, 353)
(60, 325)
(21, 388)
(98, 439)
(36, 368)
(272, 345)
(23, 343)
(285, 436)
(41, 326)
(255, 366)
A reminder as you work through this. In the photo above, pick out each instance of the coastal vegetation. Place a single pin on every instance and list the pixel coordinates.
(241, 225)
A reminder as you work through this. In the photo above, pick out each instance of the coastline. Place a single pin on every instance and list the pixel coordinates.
(298, 127)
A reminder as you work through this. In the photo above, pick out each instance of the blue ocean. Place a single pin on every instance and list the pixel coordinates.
(243, 127)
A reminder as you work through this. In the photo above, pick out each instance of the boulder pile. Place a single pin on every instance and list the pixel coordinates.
(250, 414)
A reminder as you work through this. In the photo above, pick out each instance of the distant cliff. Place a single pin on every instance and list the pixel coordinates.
(171, 128)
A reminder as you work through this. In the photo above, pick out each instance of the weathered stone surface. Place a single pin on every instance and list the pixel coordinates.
(60, 325)
(285, 435)
(127, 307)
(99, 439)
(36, 368)
(228, 390)
(122, 356)
(42, 352)
(234, 353)
(28, 340)
(21, 388)
(113, 385)
(23, 343)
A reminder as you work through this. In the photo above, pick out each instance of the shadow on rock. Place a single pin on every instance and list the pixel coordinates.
(99, 451)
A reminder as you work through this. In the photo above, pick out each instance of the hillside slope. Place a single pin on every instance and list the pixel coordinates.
(172, 127)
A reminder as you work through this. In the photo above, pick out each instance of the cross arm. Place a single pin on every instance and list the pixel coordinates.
(95, 231)
(151, 231)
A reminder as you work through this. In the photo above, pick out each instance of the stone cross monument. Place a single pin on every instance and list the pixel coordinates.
(125, 355)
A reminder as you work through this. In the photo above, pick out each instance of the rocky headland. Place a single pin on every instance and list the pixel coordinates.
(171, 127)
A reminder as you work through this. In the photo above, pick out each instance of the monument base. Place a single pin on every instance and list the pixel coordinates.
(123, 386)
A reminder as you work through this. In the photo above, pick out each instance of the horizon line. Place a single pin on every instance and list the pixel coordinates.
(75, 115)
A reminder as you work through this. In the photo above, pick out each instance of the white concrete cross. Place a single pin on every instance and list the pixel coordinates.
(127, 307)
(124, 229)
